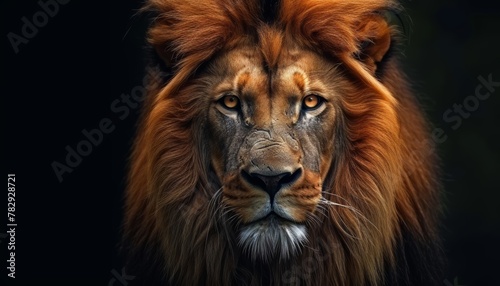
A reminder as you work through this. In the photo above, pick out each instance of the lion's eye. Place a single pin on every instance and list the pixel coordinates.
(311, 102)
(230, 101)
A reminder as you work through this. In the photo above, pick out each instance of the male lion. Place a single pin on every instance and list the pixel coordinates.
(285, 148)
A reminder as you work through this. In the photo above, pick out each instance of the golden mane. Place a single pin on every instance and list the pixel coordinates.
(387, 172)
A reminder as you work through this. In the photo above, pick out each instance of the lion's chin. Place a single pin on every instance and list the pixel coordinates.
(272, 238)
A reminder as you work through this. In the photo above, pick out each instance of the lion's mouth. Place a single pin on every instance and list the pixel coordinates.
(272, 218)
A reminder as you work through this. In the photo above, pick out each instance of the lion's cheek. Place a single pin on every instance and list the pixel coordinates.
(325, 164)
(247, 206)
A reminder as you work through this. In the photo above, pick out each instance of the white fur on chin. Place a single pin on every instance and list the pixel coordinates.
(272, 238)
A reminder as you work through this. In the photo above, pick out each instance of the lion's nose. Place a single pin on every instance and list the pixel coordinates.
(271, 181)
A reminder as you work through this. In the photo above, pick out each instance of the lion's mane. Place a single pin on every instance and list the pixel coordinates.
(385, 167)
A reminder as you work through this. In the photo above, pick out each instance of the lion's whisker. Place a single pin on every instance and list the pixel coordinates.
(357, 213)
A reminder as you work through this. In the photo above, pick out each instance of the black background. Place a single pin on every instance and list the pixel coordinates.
(66, 77)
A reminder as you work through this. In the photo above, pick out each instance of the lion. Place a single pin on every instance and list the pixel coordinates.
(285, 147)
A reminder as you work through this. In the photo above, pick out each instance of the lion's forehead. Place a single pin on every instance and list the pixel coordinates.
(247, 76)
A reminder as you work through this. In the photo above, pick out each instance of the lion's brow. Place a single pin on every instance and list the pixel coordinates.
(299, 80)
(242, 80)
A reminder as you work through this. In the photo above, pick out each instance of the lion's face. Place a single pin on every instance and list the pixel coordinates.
(272, 137)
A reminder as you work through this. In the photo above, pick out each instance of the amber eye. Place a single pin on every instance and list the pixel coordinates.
(230, 101)
(312, 101)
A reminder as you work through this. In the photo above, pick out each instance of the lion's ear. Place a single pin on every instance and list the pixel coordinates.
(187, 33)
(374, 36)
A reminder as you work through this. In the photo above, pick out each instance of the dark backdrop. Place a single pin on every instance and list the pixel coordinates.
(65, 78)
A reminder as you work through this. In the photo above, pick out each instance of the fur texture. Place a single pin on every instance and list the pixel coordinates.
(375, 221)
